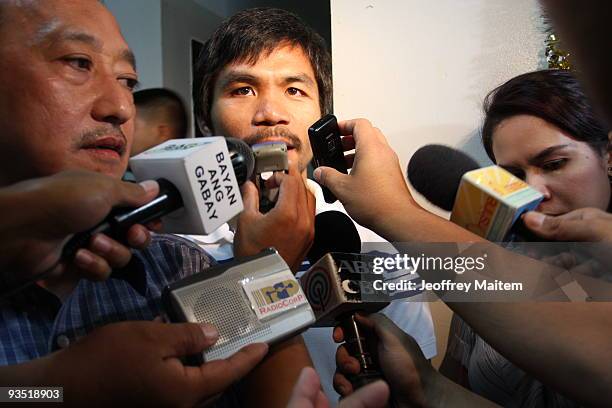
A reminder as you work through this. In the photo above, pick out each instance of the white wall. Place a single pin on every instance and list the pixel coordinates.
(419, 69)
(140, 22)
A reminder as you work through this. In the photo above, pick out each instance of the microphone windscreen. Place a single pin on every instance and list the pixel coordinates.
(435, 171)
(334, 232)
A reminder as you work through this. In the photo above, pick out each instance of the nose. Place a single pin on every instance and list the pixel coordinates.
(538, 181)
(114, 104)
(270, 110)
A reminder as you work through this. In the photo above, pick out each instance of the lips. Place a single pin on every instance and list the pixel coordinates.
(108, 143)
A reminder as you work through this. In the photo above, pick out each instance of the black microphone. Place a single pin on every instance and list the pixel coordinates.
(435, 171)
(338, 286)
(334, 232)
(180, 192)
(438, 172)
(333, 290)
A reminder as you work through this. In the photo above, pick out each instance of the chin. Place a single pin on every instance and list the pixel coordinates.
(115, 172)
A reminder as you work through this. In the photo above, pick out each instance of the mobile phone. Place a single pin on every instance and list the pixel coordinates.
(327, 148)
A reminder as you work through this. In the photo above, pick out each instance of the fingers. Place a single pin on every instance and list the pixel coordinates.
(349, 127)
(91, 266)
(155, 225)
(184, 339)
(359, 127)
(134, 195)
(350, 160)
(290, 188)
(338, 334)
(250, 197)
(307, 389)
(216, 376)
(112, 251)
(567, 227)
(342, 385)
(138, 236)
(374, 395)
(332, 179)
(345, 362)
(348, 143)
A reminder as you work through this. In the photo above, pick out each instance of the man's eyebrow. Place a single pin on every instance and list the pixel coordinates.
(125, 54)
(546, 152)
(79, 37)
(300, 78)
(237, 76)
(128, 56)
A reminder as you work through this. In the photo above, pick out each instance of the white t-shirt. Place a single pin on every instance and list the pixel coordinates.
(412, 317)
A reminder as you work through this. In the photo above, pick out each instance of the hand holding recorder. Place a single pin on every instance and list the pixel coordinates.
(137, 364)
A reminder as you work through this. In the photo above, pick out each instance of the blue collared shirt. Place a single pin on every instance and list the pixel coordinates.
(34, 322)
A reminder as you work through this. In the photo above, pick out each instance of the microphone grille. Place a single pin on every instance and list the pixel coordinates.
(334, 232)
(317, 287)
(222, 304)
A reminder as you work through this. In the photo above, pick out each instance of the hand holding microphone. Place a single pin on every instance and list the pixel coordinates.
(52, 208)
(487, 201)
(198, 193)
(584, 225)
(288, 227)
(402, 362)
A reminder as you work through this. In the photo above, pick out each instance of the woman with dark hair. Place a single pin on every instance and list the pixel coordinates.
(541, 127)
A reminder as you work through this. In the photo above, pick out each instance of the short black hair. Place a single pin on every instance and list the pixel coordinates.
(247, 35)
(162, 101)
(552, 95)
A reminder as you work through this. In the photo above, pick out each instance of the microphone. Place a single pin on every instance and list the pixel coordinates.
(337, 287)
(487, 201)
(334, 232)
(198, 188)
(249, 300)
(333, 288)
(435, 171)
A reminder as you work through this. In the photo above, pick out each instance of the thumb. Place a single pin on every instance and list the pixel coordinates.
(332, 179)
(387, 331)
(215, 376)
(183, 339)
(250, 197)
(134, 195)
